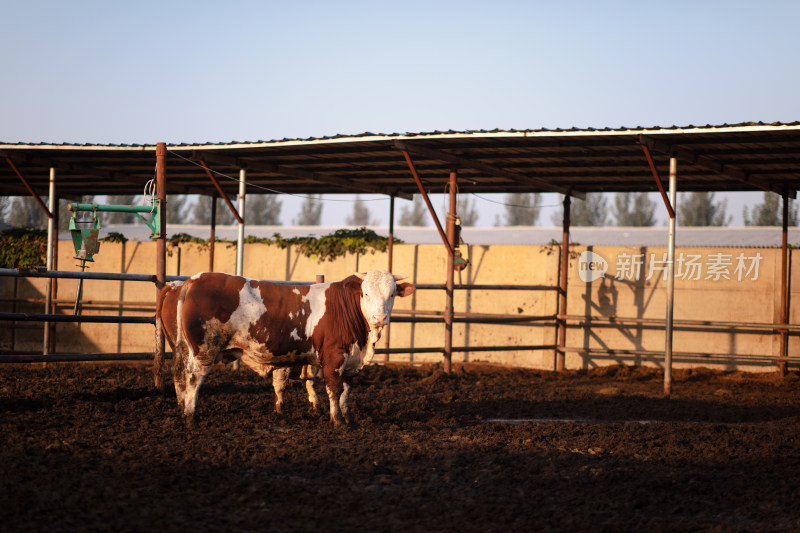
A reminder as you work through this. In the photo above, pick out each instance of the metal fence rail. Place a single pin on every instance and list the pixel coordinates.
(403, 316)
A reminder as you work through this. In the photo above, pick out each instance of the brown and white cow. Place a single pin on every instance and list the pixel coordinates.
(167, 316)
(267, 325)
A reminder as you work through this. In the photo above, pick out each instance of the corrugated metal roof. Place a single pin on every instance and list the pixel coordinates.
(728, 157)
(749, 237)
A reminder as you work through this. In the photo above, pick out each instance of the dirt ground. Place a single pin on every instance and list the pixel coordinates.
(94, 447)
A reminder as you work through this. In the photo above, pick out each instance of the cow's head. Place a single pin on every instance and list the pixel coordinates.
(378, 291)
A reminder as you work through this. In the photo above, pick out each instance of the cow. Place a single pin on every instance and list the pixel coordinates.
(333, 326)
(167, 318)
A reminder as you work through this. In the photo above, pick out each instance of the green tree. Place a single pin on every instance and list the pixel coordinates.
(591, 212)
(200, 212)
(177, 209)
(26, 212)
(120, 218)
(5, 207)
(770, 212)
(416, 215)
(522, 209)
(263, 210)
(360, 215)
(634, 209)
(699, 209)
(310, 211)
(467, 211)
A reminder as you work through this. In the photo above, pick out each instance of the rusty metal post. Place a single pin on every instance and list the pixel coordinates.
(161, 240)
(448, 309)
(391, 231)
(561, 349)
(673, 176)
(213, 237)
(52, 237)
(390, 250)
(428, 202)
(784, 316)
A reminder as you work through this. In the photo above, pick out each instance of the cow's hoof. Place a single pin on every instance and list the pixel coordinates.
(189, 421)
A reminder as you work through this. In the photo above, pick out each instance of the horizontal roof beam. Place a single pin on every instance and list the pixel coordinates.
(713, 165)
(69, 167)
(272, 168)
(463, 163)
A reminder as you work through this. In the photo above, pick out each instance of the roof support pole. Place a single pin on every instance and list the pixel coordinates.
(673, 175)
(428, 203)
(213, 238)
(240, 236)
(222, 194)
(448, 309)
(561, 322)
(161, 253)
(670, 210)
(390, 250)
(784, 317)
(30, 189)
(52, 238)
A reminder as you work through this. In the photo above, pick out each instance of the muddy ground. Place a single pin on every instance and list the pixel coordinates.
(95, 447)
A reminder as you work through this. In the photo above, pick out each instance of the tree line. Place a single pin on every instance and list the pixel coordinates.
(520, 209)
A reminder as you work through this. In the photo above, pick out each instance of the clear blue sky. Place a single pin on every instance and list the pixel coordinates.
(143, 72)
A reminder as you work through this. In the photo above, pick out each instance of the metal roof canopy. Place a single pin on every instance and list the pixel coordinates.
(742, 157)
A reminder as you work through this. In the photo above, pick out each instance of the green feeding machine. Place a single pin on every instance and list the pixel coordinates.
(85, 229)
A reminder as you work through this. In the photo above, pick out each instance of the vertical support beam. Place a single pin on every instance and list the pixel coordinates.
(213, 239)
(52, 237)
(391, 231)
(240, 238)
(451, 240)
(561, 349)
(390, 267)
(161, 242)
(784, 316)
(673, 178)
(55, 280)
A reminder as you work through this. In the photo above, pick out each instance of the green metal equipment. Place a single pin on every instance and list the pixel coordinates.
(85, 231)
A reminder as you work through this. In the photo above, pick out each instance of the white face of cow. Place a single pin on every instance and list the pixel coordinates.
(378, 291)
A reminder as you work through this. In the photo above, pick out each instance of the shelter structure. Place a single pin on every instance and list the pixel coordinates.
(573, 162)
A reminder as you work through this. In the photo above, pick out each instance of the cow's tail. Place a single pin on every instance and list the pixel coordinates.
(158, 353)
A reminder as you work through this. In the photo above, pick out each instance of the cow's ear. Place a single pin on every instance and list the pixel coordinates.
(405, 289)
(360, 275)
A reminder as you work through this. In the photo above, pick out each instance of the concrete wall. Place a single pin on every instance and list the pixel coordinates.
(716, 284)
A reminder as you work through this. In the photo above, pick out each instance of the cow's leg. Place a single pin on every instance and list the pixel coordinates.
(195, 374)
(333, 384)
(307, 374)
(181, 354)
(347, 384)
(280, 378)
(313, 399)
